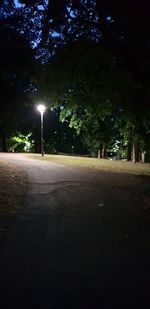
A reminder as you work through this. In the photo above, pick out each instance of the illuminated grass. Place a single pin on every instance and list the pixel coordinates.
(99, 164)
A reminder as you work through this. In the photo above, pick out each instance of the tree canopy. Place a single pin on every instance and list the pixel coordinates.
(91, 58)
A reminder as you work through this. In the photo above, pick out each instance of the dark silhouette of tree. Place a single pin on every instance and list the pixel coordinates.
(16, 58)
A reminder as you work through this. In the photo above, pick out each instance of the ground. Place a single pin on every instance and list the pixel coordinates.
(13, 186)
(78, 237)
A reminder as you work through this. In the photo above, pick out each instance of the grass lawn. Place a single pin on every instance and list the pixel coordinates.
(99, 164)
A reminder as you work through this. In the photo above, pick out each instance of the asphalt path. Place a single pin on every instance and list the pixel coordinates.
(80, 240)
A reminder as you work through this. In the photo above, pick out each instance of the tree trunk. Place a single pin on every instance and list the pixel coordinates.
(143, 156)
(133, 152)
(129, 151)
(4, 143)
(137, 152)
(101, 152)
(134, 146)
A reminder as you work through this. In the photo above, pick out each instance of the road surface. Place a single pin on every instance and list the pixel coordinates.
(80, 240)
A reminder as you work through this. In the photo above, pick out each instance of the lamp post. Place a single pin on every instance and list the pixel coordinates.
(41, 108)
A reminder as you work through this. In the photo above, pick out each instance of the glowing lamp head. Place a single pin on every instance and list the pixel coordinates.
(41, 108)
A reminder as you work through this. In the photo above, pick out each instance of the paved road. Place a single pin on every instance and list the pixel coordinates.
(79, 241)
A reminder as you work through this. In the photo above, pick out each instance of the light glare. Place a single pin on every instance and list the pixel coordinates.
(41, 108)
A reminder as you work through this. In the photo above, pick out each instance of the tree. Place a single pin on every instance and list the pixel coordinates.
(16, 58)
(104, 49)
(127, 41)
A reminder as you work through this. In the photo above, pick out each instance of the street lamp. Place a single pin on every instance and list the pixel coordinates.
(41, 108)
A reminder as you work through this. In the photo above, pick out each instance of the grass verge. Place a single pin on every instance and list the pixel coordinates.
(98, 164)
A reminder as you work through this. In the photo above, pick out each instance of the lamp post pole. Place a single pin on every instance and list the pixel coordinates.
(42, 152)
(41, 109)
